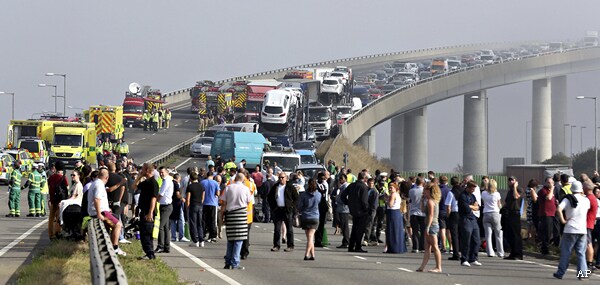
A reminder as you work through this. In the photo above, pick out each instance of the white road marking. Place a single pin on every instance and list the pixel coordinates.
(186, 121)
(404, 269)
(176, 125)
(176, 167)
(206, 266)
(550, 266)
(154, 134)
(20, 238)
(325, 248)
(257, 227)
(297, 239)
(360, 257)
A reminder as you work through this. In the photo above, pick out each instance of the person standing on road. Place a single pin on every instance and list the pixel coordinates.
(453, 216)
(588, 190)
(491, 218)
(357, 199)
(210, 204)
(417, 217)
(323, 188)
(512, 230)
(282, 199)
(43, 190)
(196, 196)
(576, 206)
(431, 204)
(35, 182)
(148, 189)
(98, 208)
(469, 230)
(176, 220)
(53, 182)
(235, 214)
(343, 211)
(308, 208)
(394, 230)
(546, 215)
(443, 217)
(14, 190)
(165, 200)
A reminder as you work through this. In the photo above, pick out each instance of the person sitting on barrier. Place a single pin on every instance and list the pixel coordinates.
(70, 209)
(98, 208)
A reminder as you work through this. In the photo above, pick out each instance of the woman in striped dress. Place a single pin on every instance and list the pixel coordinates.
(235, 215)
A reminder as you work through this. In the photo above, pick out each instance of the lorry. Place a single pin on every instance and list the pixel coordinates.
(591, 39)
(439, 66)
(242, 145)
(198, 91)
(108, 121)
(299, 74)
(72, 141)
(256, 90)
(319, 73)
(137, 102)
(321, 119)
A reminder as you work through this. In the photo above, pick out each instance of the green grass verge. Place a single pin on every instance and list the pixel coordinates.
(65, 262)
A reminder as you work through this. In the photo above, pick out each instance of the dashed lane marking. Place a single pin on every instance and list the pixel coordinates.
(297, 239)
(360, 257)
(404, 269)
(20, 238)
(208, 268)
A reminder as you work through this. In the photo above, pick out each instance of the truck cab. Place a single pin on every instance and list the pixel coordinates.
(287, 159)
(321, 119)
(439, 66)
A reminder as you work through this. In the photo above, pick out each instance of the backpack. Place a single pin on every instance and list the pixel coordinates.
(61, 191)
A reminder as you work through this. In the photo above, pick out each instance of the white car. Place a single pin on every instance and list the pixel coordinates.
(344, 76)
(332, 85)
(276, 107)
(201, 147)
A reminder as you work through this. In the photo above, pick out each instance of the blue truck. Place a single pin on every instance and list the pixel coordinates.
(242, 145)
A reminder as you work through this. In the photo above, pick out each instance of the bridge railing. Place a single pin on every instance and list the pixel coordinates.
(105, 267)
(176, 149)
(350, 61)
(438, 76)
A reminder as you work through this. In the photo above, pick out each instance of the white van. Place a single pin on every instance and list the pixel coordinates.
(276, 107)
(356, 104)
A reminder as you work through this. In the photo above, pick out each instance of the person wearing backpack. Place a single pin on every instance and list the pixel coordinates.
(58, 190)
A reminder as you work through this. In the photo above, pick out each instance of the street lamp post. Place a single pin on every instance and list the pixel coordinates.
(581, 138)
(595, 127)
(64, 76)
(565, 136)
(12, 114)
(572, 126)
(55, 96)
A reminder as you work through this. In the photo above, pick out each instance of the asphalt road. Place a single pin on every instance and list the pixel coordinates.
(337, 266)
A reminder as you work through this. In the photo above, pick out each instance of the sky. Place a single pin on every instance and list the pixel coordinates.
(103, 46)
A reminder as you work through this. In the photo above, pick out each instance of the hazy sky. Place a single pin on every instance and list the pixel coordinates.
(105, 45)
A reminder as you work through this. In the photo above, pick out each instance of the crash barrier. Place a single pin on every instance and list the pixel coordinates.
(176, 149)
(104, 263)
(352, 61)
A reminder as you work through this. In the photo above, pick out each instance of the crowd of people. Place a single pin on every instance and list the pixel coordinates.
(156, 119)
(426, 214)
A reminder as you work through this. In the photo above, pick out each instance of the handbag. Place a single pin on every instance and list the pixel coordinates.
(296, 220)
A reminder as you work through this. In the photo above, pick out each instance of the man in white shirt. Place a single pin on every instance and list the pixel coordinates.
(98, 207)
(165, 199)
(574, 236)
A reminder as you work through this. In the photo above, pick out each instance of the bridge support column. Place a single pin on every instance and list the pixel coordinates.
(415, 140)
(558, 89)
(367, 140)
(541, 121)
(475, 146)
(397, 142)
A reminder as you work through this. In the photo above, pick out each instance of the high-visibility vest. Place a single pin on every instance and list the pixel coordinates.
(351, 178)
(107, 146)
(15, 179)
(156, 117)
(44, 189)
(35, 178)
(123, 148)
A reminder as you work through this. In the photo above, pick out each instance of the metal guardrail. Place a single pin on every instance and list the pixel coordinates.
(178, 148)
(104, 264)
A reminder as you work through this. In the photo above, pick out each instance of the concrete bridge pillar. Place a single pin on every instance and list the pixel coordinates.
(541, 121)
(415, 140)
(558, 89)
(397, 142)
(367, 140)
(475, 146)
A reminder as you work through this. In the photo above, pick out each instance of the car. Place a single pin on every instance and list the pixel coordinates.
(277, 106)
(6, 167)
(332, 85)
(424, 74)
(343, 113)
(388, 88)
(201, 147)
(307, 156)
(37, 148)
(310, 171)
(22, 156)
(213, 130)
(454, 64)
(305, 145)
